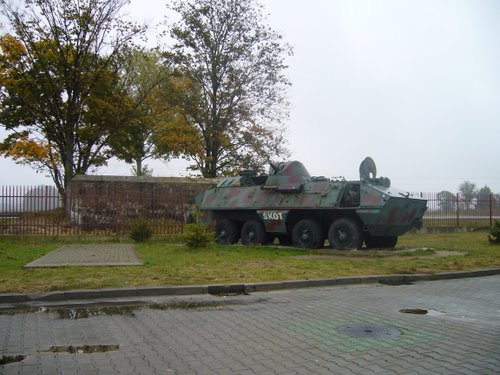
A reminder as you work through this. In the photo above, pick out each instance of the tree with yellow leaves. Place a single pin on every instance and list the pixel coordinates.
(59, 94)
(153, 126)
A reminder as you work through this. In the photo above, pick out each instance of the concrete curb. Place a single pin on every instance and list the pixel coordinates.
(222, 289)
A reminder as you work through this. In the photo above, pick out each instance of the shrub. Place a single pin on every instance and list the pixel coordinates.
(140, 230)
(494, 234)
(198, 235)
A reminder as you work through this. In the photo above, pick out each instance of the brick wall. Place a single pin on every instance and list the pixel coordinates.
(109, 202)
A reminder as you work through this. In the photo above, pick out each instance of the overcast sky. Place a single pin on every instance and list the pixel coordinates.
(413, 84)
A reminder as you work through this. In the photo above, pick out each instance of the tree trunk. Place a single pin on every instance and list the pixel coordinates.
(138, 167)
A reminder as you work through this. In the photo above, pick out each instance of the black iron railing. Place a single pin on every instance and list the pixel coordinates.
(39, 210)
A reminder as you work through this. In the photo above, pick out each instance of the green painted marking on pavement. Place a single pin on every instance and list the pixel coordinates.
(325, 331)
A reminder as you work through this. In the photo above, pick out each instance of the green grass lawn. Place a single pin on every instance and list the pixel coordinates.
(172, 264)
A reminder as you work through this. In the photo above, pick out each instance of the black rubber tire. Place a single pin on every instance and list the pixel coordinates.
(253, 232)
(226, 231)
(345, 234)
(381, 242)
(308, 234)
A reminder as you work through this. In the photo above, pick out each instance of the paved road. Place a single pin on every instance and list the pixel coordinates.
(337, 330)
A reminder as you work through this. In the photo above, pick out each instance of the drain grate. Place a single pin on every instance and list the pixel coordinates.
(368, 331)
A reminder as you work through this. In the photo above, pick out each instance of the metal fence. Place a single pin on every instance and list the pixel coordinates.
(38, 210)
(446, 209)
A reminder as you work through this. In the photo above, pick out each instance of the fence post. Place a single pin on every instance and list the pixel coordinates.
(458, 210)
(491, 210)
(45, 209)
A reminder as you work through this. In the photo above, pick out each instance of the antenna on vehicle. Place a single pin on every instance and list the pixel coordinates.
(367, 169)
(273, 169)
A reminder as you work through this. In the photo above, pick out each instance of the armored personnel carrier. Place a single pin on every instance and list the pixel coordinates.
(291, 205)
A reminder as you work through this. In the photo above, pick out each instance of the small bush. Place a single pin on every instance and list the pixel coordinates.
(140, 230)
(494, 234)
(197, 235)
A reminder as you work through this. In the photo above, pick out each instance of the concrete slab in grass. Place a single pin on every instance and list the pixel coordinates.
(89, 255)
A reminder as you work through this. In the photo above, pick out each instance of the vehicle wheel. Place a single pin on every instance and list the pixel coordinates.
(226, 231)
(381, 242)
(308, 234)
(254, 233)
(345, 234)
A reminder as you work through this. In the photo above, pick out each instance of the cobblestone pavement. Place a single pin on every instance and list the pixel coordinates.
(89, 255)
(431, 327)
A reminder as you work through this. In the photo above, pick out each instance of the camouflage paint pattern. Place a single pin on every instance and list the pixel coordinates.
(289, 192)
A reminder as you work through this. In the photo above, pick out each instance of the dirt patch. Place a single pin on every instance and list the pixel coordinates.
(331, 253)
(6, 359)
(404, 253)
(261, 263)
(445, 253)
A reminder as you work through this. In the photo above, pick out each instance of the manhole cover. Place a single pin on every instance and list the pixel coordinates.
(367, 331)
